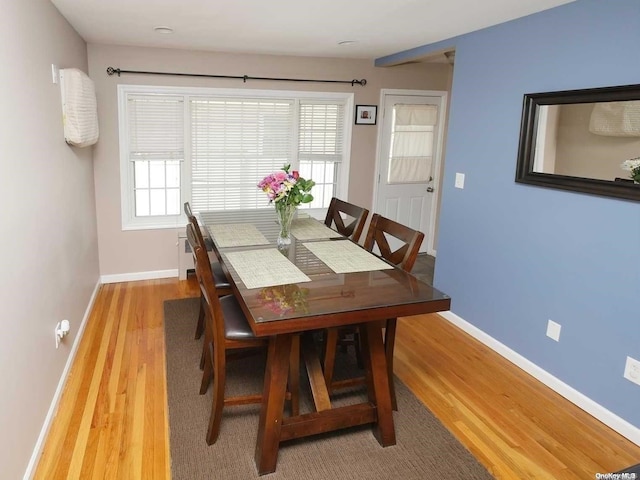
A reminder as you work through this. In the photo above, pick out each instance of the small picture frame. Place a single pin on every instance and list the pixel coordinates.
(366, 114)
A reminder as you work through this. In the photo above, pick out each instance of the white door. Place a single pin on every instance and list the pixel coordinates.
(409, 154)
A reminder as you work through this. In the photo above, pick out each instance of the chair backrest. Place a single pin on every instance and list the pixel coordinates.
(207, 287)
(196, 226)
(403, 257)
(193, 239)
(187, 210)
(352, 229)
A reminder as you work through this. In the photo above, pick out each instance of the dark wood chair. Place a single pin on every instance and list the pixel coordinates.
(352, 225)
(222, 284)
(403, 257)
(348, 220)
(227, 332)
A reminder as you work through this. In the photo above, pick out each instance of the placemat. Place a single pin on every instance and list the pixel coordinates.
(265, 267)
(346, 257)
(311, 229)
(237, 235)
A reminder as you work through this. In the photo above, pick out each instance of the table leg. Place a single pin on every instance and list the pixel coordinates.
(378, 382)
(275, 387)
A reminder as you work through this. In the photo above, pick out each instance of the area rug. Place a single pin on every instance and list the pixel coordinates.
(425, 449)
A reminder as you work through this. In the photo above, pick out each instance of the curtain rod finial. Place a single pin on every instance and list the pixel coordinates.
(111, 71)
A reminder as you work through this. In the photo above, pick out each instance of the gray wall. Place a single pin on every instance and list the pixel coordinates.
(49, 258)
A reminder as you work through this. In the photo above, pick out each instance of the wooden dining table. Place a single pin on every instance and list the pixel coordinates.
(321, 296)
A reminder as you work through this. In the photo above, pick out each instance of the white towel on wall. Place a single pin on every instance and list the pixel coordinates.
(79, 108)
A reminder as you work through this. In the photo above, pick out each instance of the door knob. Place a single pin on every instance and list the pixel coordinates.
(430, 189)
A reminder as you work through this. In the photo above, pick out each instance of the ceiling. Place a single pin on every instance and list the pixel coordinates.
(290, 27)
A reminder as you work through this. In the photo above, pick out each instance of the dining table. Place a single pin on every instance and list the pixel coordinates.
(320, 280)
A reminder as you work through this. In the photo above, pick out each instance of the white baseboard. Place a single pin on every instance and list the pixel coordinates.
(37, 451)
(596, 410)
(132, 277)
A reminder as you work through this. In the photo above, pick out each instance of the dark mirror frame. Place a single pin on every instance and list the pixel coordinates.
(529, 131)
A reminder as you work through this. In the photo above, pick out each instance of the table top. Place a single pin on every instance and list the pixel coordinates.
(327, 298)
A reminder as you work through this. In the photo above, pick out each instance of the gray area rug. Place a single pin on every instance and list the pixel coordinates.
(425, 449)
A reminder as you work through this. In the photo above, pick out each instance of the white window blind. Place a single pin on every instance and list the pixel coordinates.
(411, 153)
(321, 148)
(234, 144)
(156, 149)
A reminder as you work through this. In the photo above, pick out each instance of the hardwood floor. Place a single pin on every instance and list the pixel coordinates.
(112, 419)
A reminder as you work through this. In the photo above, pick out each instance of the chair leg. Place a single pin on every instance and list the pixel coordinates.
(200, 324)
(294, 375)
(358, 348)
(205, 344)
(203, 355)
(219, 377)
(330, 345)
(207, 372)
(389, 343)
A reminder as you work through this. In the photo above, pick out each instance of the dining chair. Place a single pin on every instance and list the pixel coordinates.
(222, 284)
(229, 332)
(404, 257)
(340, 212)
(348, 220)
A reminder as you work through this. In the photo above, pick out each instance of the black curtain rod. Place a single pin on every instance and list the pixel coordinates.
(244, 78)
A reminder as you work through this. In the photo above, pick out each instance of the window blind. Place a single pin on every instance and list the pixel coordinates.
(156, 149)
(234, 144)
(156, 127)
(321, 147)
(412, 143)
(321, 132)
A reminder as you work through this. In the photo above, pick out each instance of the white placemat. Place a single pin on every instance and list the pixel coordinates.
(345, 256)
(237, 235)
(311, 229)
(265, 267)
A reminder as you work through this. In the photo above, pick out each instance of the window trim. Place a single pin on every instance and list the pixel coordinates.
(128, 218)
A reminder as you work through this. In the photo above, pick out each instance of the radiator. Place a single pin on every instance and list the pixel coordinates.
(185, 257)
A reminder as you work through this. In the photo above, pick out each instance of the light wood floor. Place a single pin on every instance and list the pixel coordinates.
(112, 420)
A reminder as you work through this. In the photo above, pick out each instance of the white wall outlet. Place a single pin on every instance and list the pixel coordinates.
(553, 330)
(61, 331)
(632, 370)
(459, 180)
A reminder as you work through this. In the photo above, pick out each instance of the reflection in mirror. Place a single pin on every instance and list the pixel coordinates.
(580, 139)
(589, 140)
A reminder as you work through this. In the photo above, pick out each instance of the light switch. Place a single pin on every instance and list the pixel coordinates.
(553, 330)
(459, 180)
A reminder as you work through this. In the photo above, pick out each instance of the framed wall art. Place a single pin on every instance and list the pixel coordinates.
(366, 114)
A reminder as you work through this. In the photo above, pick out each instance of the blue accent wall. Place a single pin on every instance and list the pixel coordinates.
(513, 256)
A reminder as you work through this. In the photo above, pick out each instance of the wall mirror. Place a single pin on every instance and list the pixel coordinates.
(577, 140)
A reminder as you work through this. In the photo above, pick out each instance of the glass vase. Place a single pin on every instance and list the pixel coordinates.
(285, 214)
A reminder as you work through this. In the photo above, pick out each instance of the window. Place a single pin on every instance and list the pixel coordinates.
(321, 148)
(212, 146)
(233, 143)
(411, 152)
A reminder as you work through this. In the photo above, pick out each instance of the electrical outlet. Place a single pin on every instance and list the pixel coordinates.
(61, 331)
(459, 183)
(553, 330)
(57, 334)
(632, 370)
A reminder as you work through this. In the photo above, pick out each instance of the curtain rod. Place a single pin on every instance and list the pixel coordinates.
(244, 78)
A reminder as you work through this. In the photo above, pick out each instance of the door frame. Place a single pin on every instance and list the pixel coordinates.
(438, 156)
